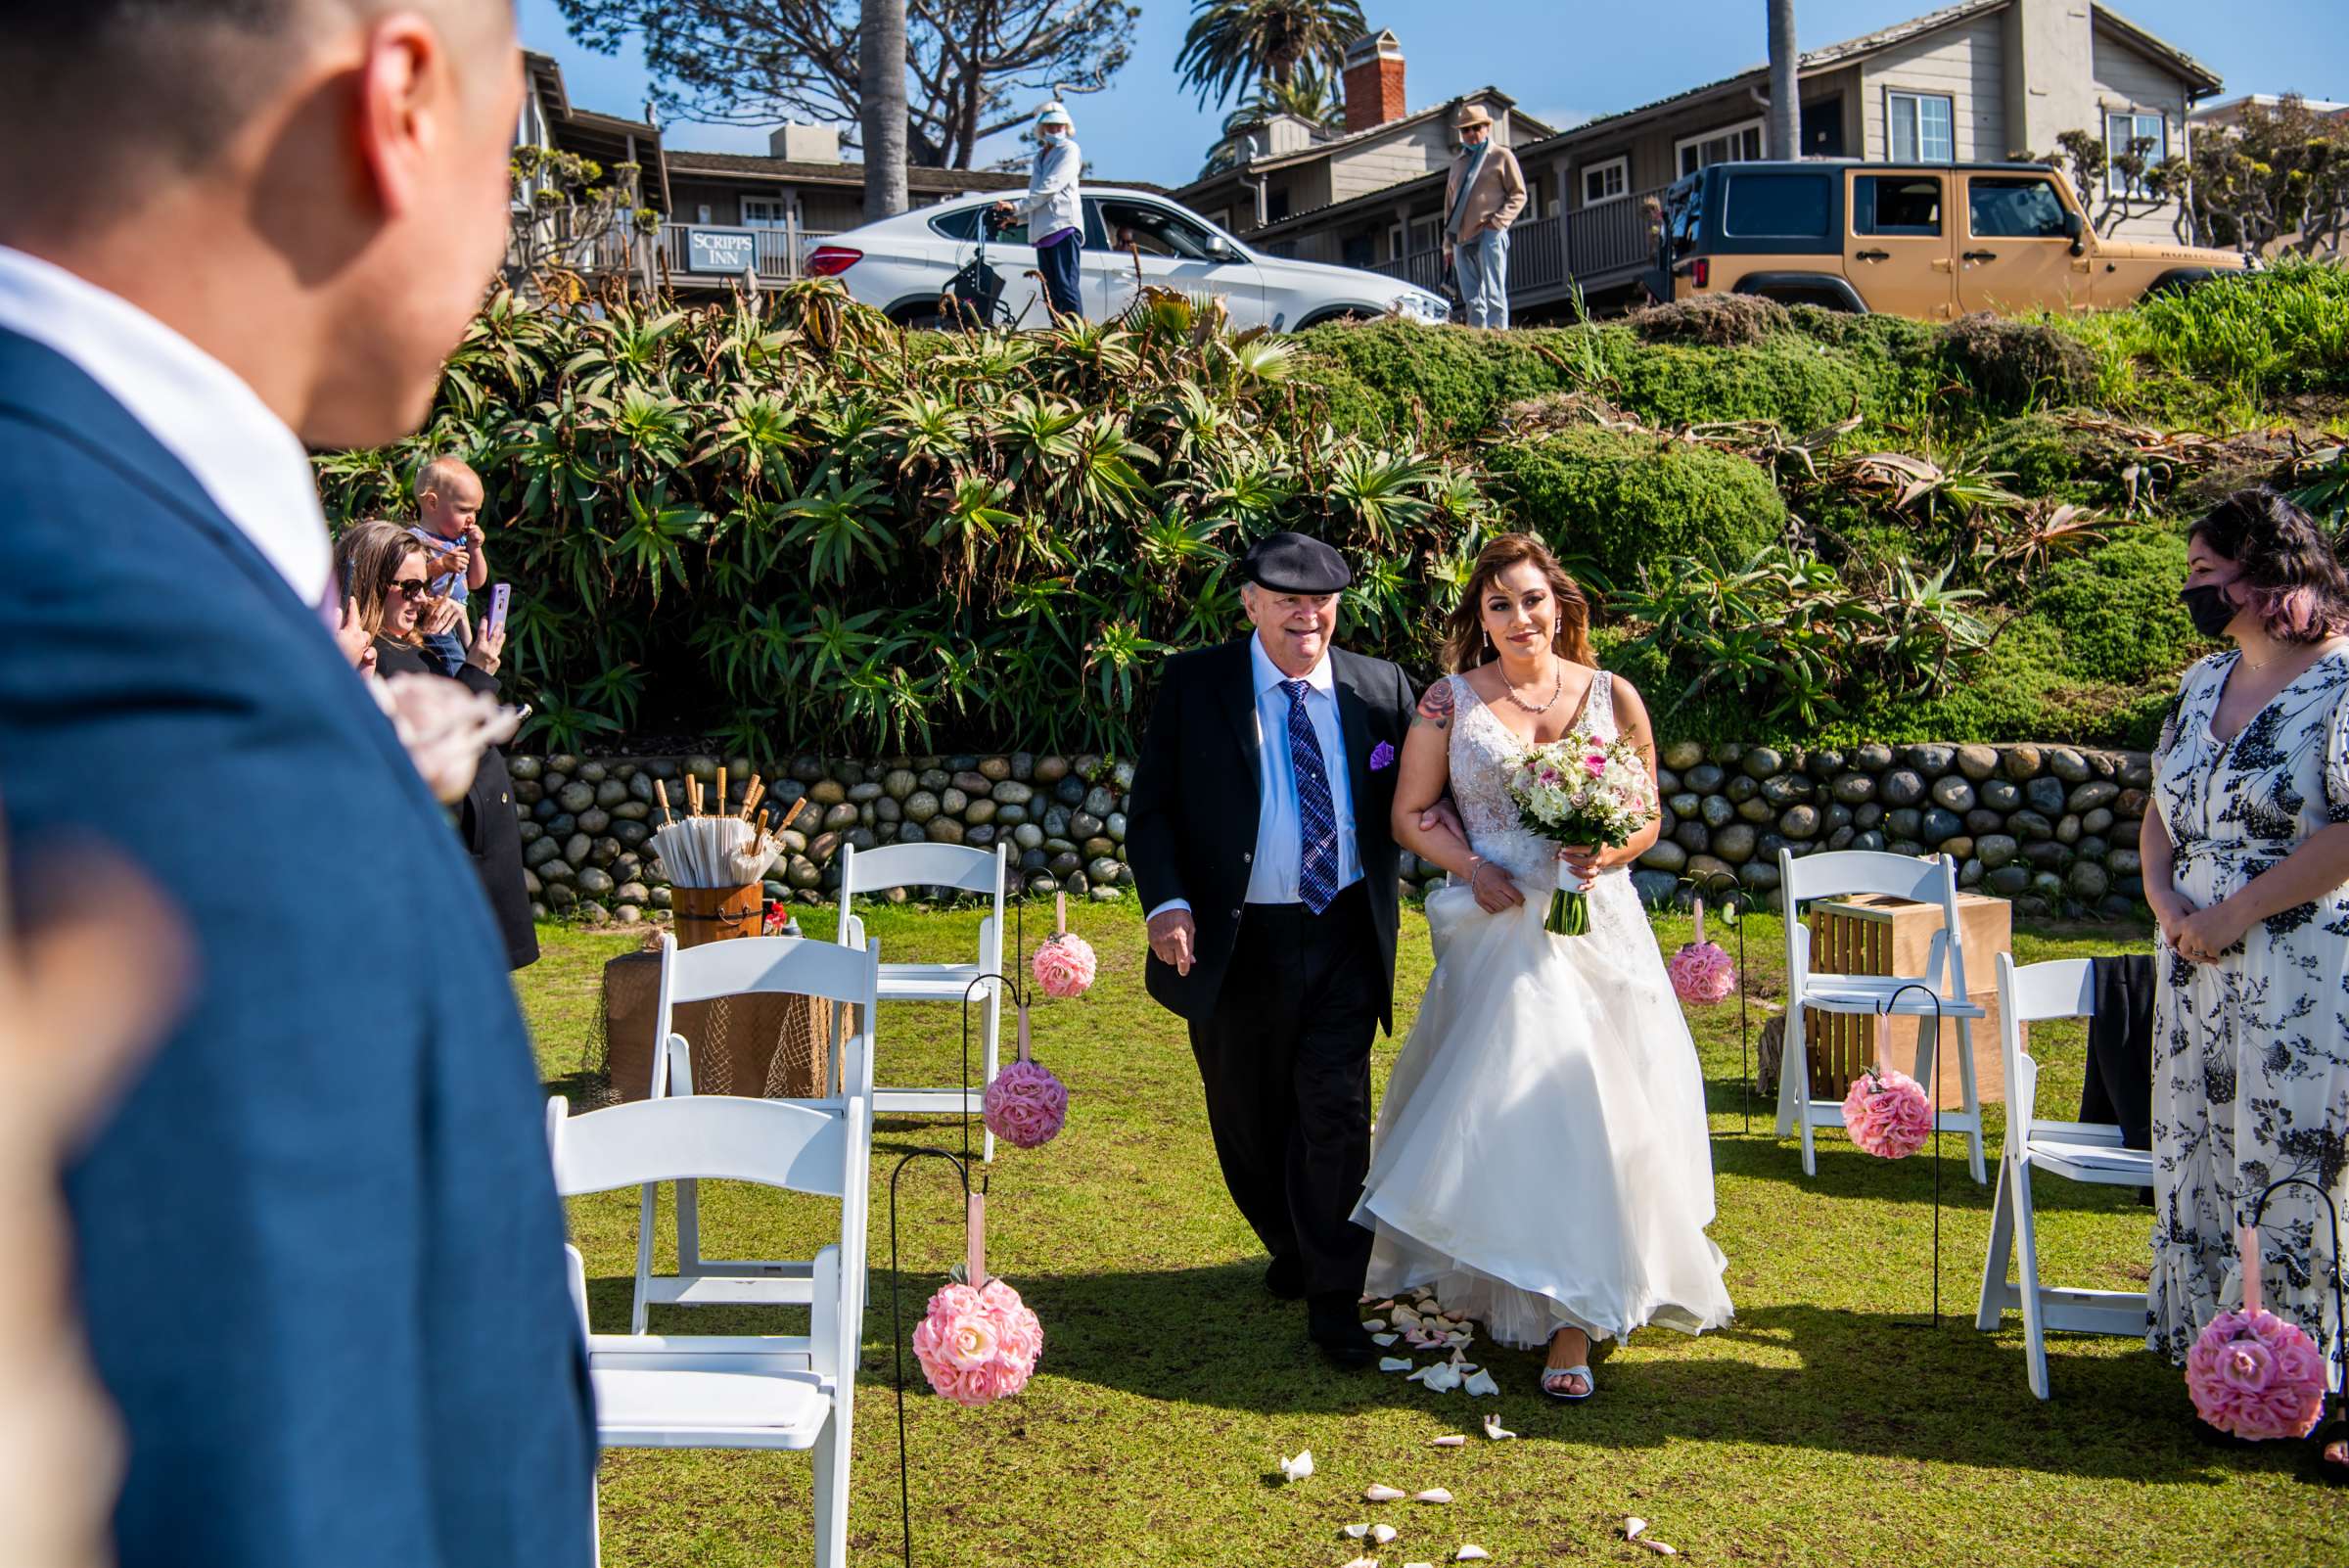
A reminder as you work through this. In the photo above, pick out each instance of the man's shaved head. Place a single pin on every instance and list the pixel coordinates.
(172, 80)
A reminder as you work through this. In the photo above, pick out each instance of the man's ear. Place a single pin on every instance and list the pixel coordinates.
(406, 107)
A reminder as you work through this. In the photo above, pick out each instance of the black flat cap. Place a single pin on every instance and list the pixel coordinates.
(1291, 562)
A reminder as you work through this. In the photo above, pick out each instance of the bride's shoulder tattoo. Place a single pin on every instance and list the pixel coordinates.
(1434, 706)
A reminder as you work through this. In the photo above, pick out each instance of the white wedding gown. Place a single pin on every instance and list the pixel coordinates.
(1541, 1158)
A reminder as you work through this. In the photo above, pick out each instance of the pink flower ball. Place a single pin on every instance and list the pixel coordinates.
(1702, 973)
(2256, 1375)
(1026, 1105)
(978, 1345)
(1064, 966)
(1888, 1114)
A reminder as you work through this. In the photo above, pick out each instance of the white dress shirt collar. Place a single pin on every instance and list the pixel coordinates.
(1269, 674)
(202, 413)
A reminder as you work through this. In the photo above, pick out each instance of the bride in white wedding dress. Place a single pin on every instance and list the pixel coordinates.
(1541, 1157)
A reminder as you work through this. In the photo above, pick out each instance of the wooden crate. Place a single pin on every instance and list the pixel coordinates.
(1874, 935)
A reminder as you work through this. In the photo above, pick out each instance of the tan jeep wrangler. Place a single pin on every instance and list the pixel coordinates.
(1932, 240)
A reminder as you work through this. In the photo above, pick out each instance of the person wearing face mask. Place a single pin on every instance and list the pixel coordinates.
(1054, 211)
(2245, 848)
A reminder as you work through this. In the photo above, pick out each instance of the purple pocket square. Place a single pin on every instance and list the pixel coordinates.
(1382, 758)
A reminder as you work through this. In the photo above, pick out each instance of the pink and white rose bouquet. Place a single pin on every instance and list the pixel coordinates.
(1578, 790)
(1887, 1114)
(977, 1345)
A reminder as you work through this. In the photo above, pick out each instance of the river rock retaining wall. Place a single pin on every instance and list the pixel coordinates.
(587, 822)
(2052, 827)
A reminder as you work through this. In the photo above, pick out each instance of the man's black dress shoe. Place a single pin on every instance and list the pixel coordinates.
(1334, 1324)
(1285, 1277)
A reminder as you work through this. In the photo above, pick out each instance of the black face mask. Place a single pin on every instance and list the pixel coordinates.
(2209, 608)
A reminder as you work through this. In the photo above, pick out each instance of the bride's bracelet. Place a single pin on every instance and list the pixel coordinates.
(1476, 863)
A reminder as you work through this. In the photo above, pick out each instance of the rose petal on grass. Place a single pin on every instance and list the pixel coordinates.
(1432, 1495)
(1394, 1363)
(1298, 1468)
(1377, 1493)
(1452, 1439)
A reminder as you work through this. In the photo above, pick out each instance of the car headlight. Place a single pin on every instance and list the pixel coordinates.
(1424, 307)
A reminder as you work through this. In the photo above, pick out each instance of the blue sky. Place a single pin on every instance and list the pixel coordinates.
(1561, 59)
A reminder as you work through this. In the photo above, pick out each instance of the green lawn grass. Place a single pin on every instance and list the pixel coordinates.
(1828, 1425)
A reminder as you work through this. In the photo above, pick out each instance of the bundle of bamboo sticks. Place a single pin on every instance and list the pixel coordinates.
(720, 847)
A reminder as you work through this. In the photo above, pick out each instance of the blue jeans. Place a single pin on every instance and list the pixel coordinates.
(1482, 265)
(1058, 264)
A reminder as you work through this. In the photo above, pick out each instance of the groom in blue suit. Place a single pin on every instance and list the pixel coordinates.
(319, 1250)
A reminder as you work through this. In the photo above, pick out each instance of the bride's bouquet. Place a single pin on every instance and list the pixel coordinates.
(1577, 790)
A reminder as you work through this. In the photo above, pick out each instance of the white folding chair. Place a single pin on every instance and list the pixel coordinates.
(934, 865)
(654, 1391)
(1847, 873)
(2083, 1151)
(740, 967)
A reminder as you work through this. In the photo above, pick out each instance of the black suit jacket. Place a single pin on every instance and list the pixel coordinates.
(1191, 819)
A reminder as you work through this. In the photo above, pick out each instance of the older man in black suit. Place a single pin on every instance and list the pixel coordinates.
(1259, 836)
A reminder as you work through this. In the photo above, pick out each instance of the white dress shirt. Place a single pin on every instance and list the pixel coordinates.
(254, 468)
(1273, 872)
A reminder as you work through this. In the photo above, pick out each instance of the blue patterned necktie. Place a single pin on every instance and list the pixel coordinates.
(1317, 817)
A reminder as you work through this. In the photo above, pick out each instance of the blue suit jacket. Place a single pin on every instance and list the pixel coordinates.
(319, 1245)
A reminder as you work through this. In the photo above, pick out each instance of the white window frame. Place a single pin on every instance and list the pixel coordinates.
(1905, 101)
(780, 203)
(1739, 132)
(2114, 148)
(1401, 238)
(1620, 167)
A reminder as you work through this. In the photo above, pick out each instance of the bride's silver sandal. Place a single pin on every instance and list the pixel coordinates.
(1557, 1390)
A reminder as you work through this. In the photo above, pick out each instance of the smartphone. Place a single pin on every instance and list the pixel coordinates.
(499, 597)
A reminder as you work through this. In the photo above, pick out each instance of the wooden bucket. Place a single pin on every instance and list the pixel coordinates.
(712, 915)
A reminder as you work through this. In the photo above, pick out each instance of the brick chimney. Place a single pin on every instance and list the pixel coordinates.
(1373, 81)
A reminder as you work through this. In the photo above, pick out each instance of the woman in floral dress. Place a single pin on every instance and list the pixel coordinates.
(2246, 866)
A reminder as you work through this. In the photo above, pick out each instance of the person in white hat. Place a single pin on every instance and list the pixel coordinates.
(1481, 200)
(1055, 215)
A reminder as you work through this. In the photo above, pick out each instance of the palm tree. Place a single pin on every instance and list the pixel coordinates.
(1786, 91)
(1310, 94)
(1232, 43)
(880, 86)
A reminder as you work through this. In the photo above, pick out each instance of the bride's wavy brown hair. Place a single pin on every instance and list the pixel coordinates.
(1465, 630)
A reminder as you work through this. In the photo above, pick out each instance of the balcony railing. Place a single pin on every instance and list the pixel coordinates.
(781, 252)
(1587, 246)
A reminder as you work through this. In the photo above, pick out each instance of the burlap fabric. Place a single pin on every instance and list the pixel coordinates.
(769, 1045)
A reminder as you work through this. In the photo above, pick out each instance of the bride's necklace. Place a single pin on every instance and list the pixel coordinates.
(1556, 690)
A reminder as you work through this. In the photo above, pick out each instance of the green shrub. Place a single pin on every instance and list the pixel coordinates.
(1799, 383)
(1442, 384)
(2046, 458)
(2015, 364)
(2117, 609)
(1615, 501)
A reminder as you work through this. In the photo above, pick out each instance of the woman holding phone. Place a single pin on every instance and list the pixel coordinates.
(386, 582)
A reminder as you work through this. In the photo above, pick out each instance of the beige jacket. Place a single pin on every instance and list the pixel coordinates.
(1497, 198)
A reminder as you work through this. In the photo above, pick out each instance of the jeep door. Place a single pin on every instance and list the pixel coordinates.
(2017, 252)
(1898, 256)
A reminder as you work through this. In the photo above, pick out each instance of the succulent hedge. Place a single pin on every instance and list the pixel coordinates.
(795, 526)
(798, 526)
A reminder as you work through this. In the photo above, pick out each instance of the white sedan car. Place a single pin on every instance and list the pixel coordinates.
(1132, 240)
